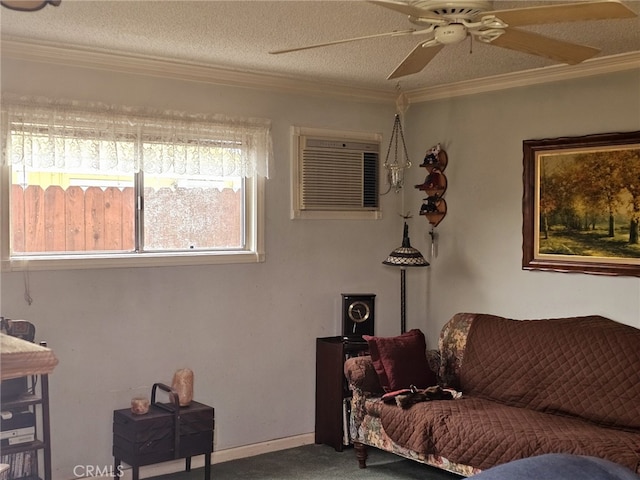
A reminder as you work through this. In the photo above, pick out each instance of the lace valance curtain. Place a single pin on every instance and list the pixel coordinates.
(44, 134)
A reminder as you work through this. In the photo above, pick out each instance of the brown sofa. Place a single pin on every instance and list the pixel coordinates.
(529, 387)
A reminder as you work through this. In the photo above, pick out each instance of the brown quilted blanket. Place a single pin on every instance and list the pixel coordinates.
(581, 366)
(532, 387)
(482, 433)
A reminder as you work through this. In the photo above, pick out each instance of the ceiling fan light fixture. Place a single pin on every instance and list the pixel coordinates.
(449, 34)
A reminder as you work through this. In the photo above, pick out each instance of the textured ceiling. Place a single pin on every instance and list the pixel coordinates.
(238, 35)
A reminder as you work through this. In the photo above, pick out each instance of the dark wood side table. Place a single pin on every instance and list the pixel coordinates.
(332, 393)
(166, 432)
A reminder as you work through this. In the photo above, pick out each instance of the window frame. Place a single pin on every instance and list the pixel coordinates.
(253, 252)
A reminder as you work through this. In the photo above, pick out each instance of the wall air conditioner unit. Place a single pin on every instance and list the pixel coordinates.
(335, 175)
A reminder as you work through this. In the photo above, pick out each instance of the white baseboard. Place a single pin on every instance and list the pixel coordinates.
(224, 455)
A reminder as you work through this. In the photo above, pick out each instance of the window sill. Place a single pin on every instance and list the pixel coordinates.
(84, 262)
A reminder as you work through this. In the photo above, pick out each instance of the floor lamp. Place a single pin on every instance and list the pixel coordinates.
(403, 257)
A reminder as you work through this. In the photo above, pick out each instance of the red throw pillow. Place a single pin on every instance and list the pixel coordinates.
(401, 361)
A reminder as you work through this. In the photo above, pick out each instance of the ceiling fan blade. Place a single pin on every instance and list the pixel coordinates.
(415, 61)
(395, 33)
(405, 8)
(565, 12)
(535, 44)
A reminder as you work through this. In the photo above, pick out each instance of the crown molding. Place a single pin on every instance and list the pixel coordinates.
(166, 68)
(597, 66)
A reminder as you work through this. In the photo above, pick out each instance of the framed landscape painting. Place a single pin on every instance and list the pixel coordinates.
(581, 204)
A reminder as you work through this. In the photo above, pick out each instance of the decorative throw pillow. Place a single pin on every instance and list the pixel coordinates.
(401, 361)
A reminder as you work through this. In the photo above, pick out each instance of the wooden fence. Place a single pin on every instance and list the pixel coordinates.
(95, 219)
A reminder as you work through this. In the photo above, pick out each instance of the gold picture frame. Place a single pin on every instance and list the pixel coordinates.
(581, 204)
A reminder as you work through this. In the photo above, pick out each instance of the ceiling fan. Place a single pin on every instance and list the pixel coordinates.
(448, 22)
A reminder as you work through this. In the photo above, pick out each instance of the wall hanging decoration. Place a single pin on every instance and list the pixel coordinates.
(434, 206)
(581, 204)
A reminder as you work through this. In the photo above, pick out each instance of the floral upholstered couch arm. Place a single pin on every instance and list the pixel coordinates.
(361, 375)
(363, 382)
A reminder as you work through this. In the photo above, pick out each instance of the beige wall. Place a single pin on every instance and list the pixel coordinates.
(248, 331)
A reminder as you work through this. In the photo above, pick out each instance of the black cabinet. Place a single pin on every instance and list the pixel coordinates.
(166, 432)
(332, 393)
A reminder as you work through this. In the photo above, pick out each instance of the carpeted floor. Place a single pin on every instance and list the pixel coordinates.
(316, 462)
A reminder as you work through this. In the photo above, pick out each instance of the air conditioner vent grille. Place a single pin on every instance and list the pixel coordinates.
(332, 179)
(336, 175)
(339, 175)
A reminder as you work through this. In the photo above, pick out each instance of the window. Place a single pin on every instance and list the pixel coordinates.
(99, 187)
